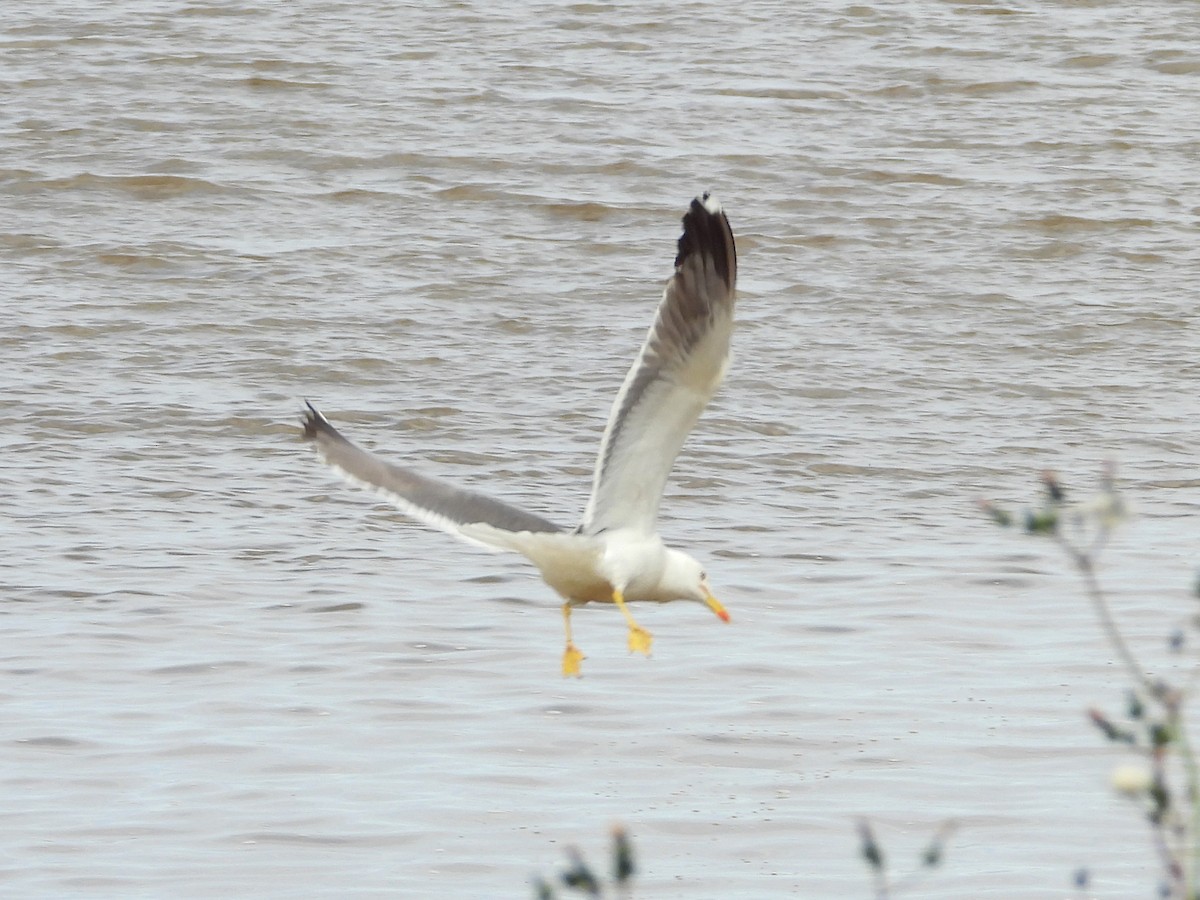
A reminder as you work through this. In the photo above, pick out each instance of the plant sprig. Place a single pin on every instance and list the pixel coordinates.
(1155, 710)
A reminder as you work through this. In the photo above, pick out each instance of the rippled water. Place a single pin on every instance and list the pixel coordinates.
(968, 240)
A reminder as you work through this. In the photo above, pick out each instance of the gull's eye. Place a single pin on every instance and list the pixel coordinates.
(703, 575)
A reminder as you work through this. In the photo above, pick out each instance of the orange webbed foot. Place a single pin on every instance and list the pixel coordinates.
(572, 657)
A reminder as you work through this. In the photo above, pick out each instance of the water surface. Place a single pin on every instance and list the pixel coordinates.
(967, 234)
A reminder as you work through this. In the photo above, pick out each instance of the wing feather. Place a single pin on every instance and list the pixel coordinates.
(679, 368)
(429, 500)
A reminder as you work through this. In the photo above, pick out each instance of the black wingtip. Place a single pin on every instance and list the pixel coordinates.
(314, 423)
(706, 230)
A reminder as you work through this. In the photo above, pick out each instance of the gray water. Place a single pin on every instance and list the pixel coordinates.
(968, 246)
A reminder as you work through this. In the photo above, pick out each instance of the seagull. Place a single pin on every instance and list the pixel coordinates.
(615, 555)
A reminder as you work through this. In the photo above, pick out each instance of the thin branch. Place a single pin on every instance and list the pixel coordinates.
(1083, 562)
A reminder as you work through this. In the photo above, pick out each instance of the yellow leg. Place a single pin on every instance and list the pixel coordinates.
(639, 637)
(571, 656)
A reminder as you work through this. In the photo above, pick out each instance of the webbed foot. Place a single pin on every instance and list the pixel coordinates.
(639, 640)
(572, 657)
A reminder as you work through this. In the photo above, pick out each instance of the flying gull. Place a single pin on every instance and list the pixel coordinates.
(615, 555)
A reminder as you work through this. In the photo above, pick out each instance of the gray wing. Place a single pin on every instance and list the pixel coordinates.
(434, 502)
(681, 364)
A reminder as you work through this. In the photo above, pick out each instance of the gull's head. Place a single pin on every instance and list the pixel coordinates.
(686, 579)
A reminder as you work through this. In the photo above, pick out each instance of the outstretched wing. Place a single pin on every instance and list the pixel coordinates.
(678, 370)
(434, 502)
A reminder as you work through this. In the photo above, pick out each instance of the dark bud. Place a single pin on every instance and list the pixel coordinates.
(1161, 798)
(1160, 735)
(1043, 522)
(1082, 878)
(1176, 640)
(1001, 517)
(1110, 731)
(1101, 721)
(579, 876)
(1136, 708)
(871, 851)
(937, 847)
(1054, 490)
(623, 865)
(541, 890)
